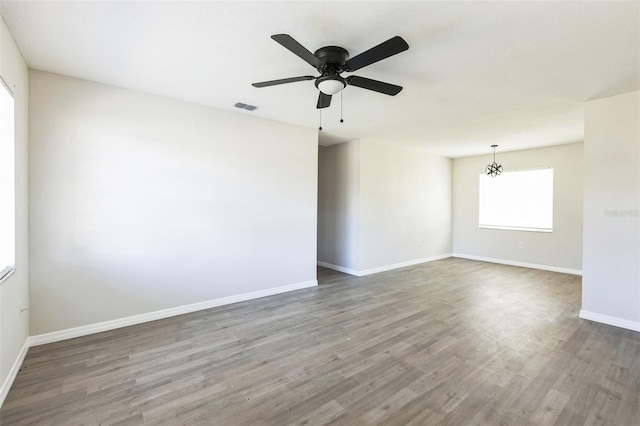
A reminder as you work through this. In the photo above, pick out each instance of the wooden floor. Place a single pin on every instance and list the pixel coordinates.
(454, 342)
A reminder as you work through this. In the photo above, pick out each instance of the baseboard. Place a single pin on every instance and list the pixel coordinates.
(339, 268)
(521, 264)
(404, 264)
(13, 372)
(370, 271)
(56, 336)
(606, 319)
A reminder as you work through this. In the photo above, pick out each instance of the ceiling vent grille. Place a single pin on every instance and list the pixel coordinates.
(245, 106)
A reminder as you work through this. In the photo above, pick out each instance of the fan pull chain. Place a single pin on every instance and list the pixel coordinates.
(341, 120)
(320, 111)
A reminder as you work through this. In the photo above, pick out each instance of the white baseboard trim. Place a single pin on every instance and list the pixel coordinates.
(70, 333)
(339, 268)
(370, 271)
(521, 264)
(13, 372)
(609, 320)
(404, 264)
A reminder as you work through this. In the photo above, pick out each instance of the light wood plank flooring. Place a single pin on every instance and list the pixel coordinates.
(453, 342)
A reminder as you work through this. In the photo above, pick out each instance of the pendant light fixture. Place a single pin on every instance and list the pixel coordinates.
(494, 169)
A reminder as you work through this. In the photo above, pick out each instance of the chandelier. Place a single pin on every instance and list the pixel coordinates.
(493, 169)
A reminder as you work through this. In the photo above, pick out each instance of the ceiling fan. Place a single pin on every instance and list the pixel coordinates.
(331, 61)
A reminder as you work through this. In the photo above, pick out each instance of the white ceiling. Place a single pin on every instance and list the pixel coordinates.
(476, 73)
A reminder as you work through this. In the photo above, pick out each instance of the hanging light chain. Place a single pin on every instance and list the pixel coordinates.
(320, 113)
(493, 169)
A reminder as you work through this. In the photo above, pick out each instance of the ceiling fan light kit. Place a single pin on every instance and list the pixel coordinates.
(330, 85)
(331, 61)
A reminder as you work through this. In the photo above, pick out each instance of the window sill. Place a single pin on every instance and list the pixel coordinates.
(510, 228)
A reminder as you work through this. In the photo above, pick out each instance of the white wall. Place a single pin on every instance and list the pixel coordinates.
(14, 291)
(560, 250)
(405, 205)
(382, 206)
(339, 204)
(141, 203)
(611, 280)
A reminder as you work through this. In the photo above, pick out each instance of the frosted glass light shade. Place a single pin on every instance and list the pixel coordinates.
(330, 86)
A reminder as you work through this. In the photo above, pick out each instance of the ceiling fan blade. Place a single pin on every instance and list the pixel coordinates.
(290, 43)
(324, 100)
(283, 81)
(375, 85)
(390, 47)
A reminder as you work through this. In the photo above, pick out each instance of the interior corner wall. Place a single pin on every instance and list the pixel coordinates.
(611, 278)
(560, 250)
(140, 203)
(339, 205)
(382, 206)
(14, 291)
(405, 205)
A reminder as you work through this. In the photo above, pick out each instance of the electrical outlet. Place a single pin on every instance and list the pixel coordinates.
(521, 244)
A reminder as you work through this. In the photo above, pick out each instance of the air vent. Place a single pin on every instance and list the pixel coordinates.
(245, 106)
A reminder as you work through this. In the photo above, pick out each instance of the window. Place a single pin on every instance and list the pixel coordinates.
(519, 200)
(7, 182)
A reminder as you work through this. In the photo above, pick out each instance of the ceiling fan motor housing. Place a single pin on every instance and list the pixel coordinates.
(334, 58)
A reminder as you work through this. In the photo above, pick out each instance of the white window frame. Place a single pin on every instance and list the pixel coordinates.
(7, 182)
(509, 208)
